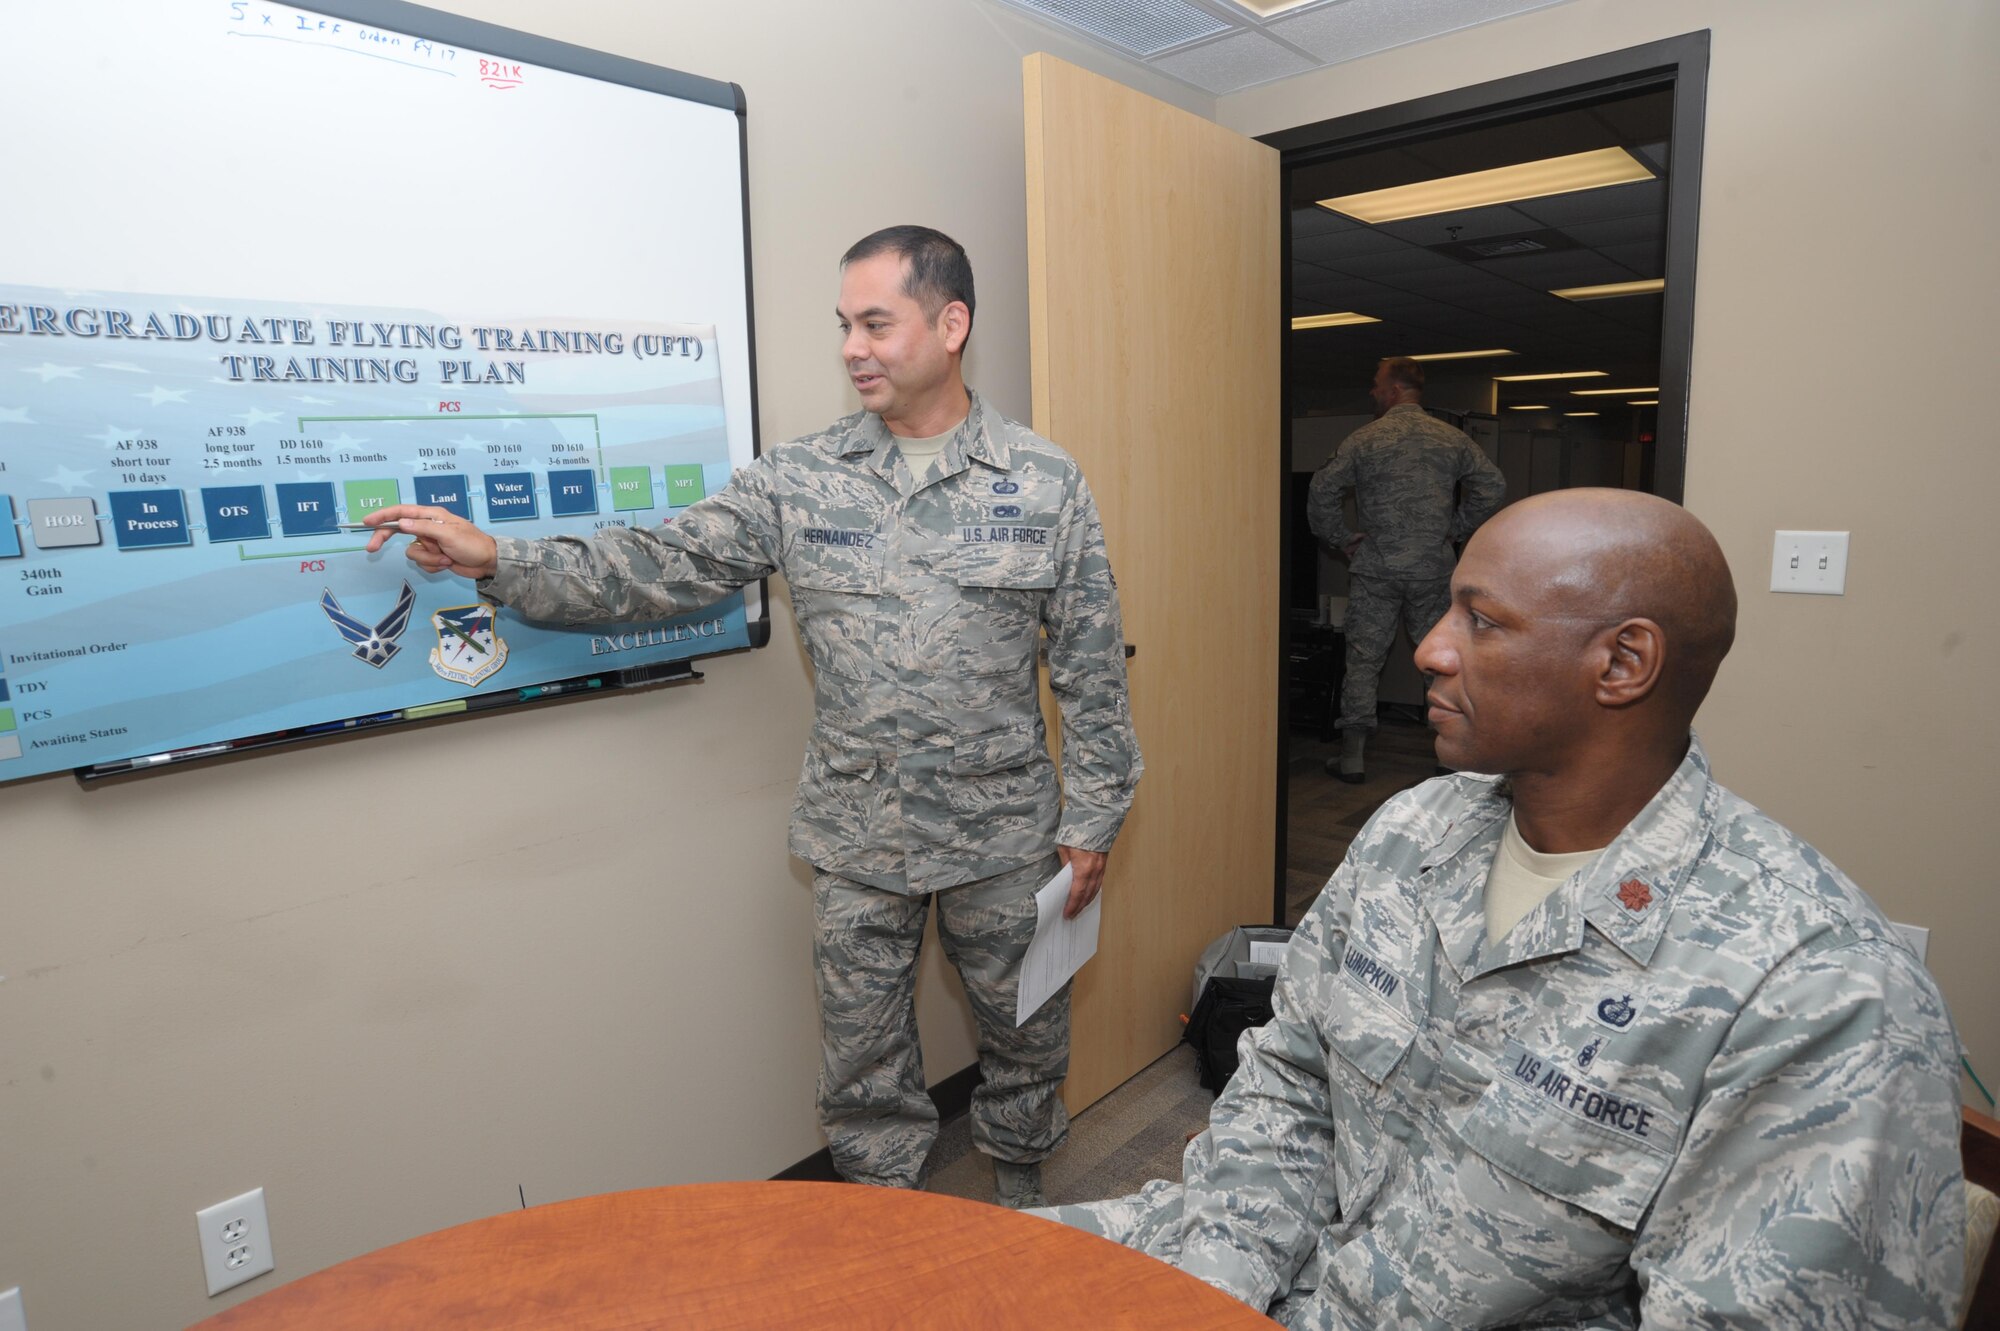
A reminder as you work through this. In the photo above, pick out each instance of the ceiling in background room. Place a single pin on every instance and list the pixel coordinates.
(1484, 276)
(1222, 46)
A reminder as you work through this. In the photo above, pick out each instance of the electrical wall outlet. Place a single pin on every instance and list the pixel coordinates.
(235, 1241)
(1810, 561)
(12, 1317)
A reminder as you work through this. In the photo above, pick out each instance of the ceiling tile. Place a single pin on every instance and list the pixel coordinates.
(1643, 260)
(1645, 229)
(1317, 221)
(1597, 205)
(1387, 264)
(1137, 27)
(1233, 62)
(1334, 247)
(1565, 268)
(1346, 293)
(1357, 27)
(1465, 224)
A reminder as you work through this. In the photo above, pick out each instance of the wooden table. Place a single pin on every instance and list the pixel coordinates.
(750, 1255)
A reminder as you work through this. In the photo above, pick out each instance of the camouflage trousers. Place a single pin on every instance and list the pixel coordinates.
(1372, 608)
(878, 1118)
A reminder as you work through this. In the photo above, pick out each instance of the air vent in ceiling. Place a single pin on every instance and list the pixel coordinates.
(1506, 247)
(1142, 27)
(1493, 249)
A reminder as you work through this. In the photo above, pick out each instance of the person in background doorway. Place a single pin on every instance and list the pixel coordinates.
(1421, 488)
(928, 543)
(1592, 1042)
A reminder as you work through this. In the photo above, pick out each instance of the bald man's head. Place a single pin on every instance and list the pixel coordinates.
(1613, 555)
(1571, 605)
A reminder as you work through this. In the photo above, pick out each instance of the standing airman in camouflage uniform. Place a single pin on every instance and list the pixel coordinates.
(1403, 470)
(922, 592)
(1702, 1082)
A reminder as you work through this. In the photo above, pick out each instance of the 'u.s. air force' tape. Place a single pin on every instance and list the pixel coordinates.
(1004, 535)
(1578, 1095)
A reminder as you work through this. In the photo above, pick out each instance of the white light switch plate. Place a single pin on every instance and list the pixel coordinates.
(1918, 937)
(1810, 561)
(12, 1317)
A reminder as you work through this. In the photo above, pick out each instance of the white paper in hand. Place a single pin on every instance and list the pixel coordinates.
(1060, 947)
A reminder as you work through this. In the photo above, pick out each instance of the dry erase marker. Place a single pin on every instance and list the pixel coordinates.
(557, 689)
(433, 709)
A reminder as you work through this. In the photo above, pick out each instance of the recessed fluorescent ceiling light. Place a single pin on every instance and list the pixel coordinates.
(1333, 320)
(1610, 392)
(1267, 8)
(1560, 374)
(1534, 406)
(1460, 355)
(1579, 413)
(1503, 184)
(1611, 289)
(1644, 402)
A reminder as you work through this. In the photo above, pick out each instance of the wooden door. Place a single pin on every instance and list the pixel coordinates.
(1154, 308)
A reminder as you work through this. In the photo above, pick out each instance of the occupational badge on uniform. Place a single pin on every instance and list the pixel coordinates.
(1634, 895)
(373, 643)
(1005, 510)
(1006, 487)
(1617, 1013)
(1588, 1054)
(469, 647)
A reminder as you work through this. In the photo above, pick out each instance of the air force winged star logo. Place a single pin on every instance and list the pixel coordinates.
(469, 644)
(377, 643)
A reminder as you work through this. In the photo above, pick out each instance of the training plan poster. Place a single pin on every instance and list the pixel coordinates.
(410, 273)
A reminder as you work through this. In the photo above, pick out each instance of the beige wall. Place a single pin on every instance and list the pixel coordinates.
(1844, 354)
(391, 979)
(259, 974)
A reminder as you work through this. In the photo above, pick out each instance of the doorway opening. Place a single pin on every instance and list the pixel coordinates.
(1531, 242)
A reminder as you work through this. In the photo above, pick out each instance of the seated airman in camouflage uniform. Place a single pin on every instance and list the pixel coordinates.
(1696, 1081)
(1420, 488)
(928, 543)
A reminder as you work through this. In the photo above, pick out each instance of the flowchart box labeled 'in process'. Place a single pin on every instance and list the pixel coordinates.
(142, 519)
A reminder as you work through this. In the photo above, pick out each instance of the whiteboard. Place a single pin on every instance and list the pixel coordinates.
(267, 267)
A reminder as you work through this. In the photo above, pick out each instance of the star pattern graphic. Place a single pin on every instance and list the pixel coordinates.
(158, 395)
(112, 435)
(256, 417)
(15, 416)
(67, 479)
(49, 370)
(122, 367)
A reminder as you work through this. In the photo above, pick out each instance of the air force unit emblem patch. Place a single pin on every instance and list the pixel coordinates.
(469, 647)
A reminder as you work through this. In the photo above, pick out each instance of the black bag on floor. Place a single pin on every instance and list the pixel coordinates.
(1228, 1007)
